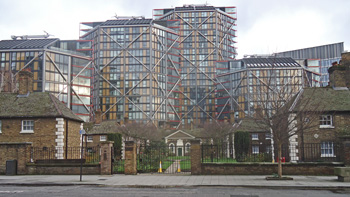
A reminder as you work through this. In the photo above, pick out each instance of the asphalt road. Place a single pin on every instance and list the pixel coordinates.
(87, 191)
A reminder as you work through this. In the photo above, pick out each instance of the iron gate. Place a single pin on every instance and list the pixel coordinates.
(163, 159)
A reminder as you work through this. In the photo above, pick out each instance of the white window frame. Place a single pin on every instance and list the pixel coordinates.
(187, 147)
(255, 136)
(326, 121)
(89, 138)
(0, 126)
(255, 149)
(268, 136)
(172, 147)
(327, 149)
(25, 124)
(103, 138)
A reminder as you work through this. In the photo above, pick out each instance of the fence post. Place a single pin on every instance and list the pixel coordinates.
(106, 158)
(130, 165)
(196, 165)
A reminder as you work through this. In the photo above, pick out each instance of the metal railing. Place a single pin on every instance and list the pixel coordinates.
(316, 152)
(55, 154)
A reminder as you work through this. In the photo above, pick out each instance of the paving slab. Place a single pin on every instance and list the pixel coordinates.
(162, 180)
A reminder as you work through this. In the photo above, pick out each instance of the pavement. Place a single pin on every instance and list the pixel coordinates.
(180, 180)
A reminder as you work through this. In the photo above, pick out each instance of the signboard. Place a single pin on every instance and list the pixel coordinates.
(82, 132)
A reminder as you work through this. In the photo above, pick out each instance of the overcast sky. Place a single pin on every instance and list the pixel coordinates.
(263, 26)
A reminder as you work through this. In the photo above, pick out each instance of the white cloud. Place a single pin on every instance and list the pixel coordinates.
(262, 27)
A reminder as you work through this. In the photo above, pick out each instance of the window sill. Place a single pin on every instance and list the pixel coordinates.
(325, 156)
(326, 127)
(26, 132)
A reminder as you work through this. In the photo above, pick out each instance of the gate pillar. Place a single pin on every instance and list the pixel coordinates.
(106, 158)
(130, 165)
(196, 155)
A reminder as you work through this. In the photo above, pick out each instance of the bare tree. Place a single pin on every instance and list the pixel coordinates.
(140, 131)
(217, 131)
(275, 105)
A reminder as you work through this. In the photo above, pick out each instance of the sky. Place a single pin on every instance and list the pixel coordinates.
(263, 26)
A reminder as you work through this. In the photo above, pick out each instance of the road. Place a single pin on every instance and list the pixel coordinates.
(83, 191)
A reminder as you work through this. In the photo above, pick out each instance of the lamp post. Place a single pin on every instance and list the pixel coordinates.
(82, 133)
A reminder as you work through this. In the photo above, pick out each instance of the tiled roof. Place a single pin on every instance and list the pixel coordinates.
(251, 125)
(36, 104)
(26, 44)
(269, 62)
(128, 22)
(109, 126)
(323, 99)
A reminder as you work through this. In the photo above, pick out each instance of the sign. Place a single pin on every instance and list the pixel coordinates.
(82, 132)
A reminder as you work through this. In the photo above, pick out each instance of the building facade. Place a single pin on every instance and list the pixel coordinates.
(136, 70)
(66, 74)
(207, 34)
(317, 60)
(242, 85)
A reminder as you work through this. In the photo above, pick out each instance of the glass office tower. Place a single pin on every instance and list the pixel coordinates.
(243, 84)
(207, 34)
(136, 69)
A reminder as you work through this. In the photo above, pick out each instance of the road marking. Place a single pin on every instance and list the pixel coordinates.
(8, 192)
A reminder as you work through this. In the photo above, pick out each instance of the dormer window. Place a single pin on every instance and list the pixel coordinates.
(27, 126)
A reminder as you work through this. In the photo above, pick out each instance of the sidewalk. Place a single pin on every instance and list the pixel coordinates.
(162, 181)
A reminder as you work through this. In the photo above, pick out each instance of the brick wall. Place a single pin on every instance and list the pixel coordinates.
(196, 156)
(63, 169)
(130, 164)
(269, 169)
(318, 135)
(15, 151)
(73, 133)
(44, 132)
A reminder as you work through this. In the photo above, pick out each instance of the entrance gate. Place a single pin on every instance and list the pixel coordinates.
(163, 159)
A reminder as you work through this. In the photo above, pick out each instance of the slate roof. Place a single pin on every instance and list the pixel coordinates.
(128, 22)
(269, 62)
(107, 126)
(322, 99)
(27, 44)
(35, 105)
(251, 125)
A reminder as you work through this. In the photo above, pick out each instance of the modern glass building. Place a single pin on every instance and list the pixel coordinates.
(242, 85)
(207, 34)
(163, 69)
(317, 60)
(64, 73)
(137, 69)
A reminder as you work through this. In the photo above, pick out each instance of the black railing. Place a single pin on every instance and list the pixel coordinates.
(54, 154)
(307, 153)
(320, 152)
(225, 154)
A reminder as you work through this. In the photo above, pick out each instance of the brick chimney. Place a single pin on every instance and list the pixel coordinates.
(98, 116)
(25, 80)
(339, 74)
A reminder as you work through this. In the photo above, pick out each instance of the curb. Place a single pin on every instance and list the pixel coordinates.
(176, 186)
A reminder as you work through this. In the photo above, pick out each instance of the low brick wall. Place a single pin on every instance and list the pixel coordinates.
(269, 168)
(15, 151)
(62, 169)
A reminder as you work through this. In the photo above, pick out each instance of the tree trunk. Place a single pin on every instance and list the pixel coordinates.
(280, 160)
